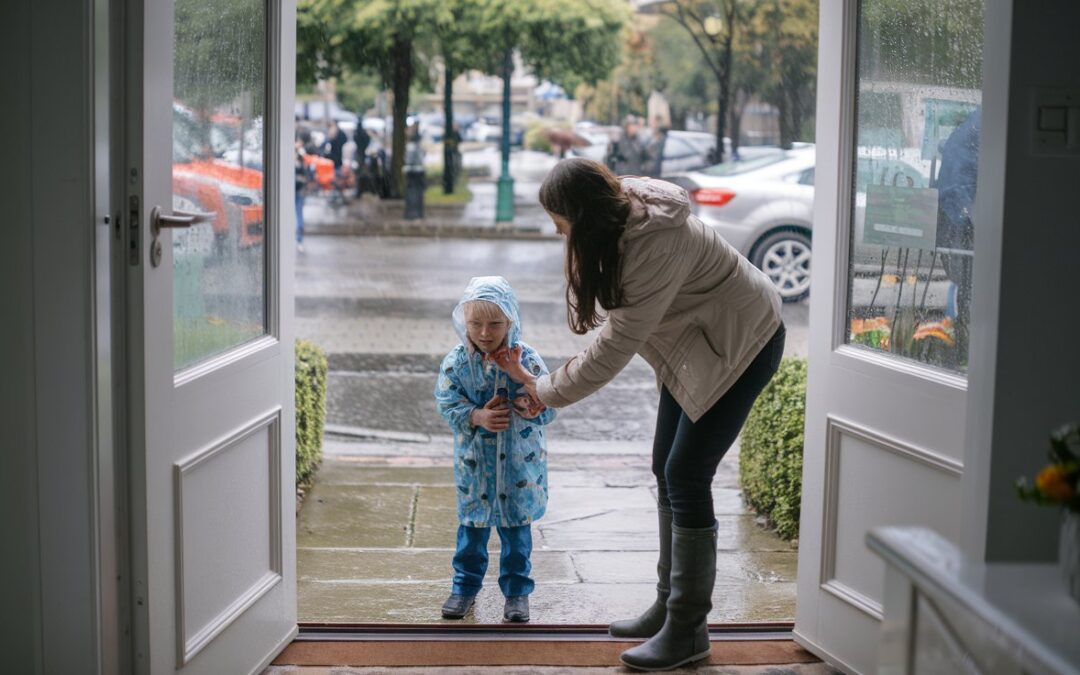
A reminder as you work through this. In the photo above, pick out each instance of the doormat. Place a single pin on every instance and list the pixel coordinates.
(519, 653)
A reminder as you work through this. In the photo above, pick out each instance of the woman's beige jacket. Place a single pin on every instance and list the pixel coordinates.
(696, 310)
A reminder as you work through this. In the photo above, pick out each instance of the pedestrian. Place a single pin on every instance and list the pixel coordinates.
(334, 146)
(627, 155)
(654, 151)
(362, 139)
(500, 454)
(303, 178)
(957, 179)
(657, 282)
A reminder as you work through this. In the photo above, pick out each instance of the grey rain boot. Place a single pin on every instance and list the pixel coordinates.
(649, 623)
(685, 635)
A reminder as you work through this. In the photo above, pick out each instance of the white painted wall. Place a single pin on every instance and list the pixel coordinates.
(47, 571)
(1025, 344)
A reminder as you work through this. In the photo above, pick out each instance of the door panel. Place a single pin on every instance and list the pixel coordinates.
(212, 363)
(886, 397)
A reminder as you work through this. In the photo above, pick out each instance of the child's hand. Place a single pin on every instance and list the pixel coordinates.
(494, 416)
(527, 407)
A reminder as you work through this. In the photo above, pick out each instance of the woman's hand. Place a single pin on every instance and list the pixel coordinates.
(494, 416)
(509, 360)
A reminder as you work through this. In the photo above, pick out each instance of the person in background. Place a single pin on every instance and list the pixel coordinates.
(627, 157)
(334, 146)
(303, 177)
(654, 150)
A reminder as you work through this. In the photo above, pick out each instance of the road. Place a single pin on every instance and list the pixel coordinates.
(380, 307)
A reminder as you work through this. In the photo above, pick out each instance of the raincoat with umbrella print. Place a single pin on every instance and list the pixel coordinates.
(501, 478)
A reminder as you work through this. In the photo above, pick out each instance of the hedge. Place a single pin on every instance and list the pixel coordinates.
(310, 407)
(771, 449)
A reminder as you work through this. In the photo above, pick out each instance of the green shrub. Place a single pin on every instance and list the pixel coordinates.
(771, 449)
(310, 407)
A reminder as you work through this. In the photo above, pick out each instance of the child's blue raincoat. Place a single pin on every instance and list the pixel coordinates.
(501, 478)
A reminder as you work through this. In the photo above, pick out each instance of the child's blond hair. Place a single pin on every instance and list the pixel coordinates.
(482, 310)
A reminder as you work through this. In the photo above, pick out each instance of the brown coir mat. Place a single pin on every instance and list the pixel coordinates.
(510, 652)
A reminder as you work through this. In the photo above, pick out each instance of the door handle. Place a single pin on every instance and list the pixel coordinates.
(177, 219)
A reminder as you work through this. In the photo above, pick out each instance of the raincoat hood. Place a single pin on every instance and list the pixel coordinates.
(654, 205)
(496, 290)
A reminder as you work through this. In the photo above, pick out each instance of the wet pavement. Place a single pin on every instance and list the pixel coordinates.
(376, 531)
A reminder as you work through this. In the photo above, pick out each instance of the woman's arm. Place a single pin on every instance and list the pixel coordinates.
(650, 284)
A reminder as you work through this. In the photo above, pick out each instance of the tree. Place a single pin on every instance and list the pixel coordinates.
(387, 37)
(220, 59)
(567, 42)
(713, 26)
(788, 33)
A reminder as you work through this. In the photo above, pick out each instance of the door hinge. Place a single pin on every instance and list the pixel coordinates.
(134, 229)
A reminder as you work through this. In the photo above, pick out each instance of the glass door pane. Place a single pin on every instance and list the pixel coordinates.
(219, 102)
(916, 156)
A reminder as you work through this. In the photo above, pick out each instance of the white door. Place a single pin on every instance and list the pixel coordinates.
(209, 150)
(899, 83)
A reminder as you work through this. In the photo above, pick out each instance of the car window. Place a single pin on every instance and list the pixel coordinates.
(807, 177)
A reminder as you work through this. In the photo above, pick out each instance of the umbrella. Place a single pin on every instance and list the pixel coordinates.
(566, 138)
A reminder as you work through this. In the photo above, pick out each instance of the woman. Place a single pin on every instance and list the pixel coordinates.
(663, 285)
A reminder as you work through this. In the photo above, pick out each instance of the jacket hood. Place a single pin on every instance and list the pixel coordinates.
(496, 290)
(654, 205)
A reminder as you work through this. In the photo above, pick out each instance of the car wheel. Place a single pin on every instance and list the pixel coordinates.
(784, 256)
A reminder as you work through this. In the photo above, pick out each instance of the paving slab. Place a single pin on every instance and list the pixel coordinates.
(402, 567)
(550, 603)
(355, 515)
(616, 567)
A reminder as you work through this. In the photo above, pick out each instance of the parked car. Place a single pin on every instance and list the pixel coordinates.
(683, 150)
(204, 182)
(763, 206)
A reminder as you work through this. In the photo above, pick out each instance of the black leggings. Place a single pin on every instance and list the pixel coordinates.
(686, 454)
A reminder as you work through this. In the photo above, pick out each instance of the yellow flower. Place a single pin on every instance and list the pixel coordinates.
(1053, 481)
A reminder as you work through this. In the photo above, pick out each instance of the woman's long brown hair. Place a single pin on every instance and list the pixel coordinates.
(591, 198)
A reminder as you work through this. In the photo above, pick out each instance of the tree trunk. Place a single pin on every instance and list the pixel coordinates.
(784, 115)
(401, 83)
(724, 98)
(736, 123)
(449, 165)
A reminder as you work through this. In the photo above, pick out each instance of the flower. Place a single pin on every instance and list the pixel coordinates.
(1053, 481)
(1058, 483)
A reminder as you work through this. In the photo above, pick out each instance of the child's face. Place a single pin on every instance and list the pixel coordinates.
(487, 330)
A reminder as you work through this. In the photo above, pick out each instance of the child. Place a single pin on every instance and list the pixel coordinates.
(500, 456)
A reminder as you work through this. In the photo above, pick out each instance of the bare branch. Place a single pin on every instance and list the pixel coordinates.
(681, 20)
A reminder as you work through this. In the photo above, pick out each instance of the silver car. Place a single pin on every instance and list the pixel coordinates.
(764, 207)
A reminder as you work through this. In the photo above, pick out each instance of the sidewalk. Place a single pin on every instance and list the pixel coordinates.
(376, 534)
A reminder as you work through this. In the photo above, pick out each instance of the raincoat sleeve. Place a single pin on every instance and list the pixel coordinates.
(454, 406)
(650, 284)
(535, 365)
